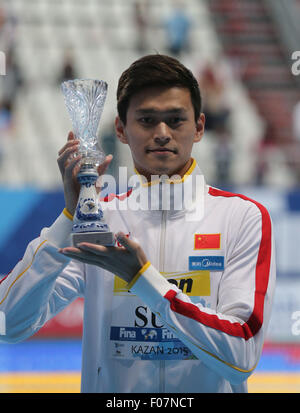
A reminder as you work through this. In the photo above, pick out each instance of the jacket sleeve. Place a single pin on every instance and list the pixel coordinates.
(41, 284)
(228, 339)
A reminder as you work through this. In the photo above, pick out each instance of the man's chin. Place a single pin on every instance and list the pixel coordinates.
(169, 167)
(161, 169)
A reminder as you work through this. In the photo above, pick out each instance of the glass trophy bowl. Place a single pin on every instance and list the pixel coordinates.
(84, 99)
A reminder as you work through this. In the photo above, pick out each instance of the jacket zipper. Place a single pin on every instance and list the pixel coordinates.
(162, 269)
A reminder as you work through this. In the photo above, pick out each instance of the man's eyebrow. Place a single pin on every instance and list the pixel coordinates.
(154, 111)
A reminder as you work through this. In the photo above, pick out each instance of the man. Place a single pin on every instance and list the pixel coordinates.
(182, 302)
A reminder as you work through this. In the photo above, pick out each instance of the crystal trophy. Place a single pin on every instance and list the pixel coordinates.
(84, 99)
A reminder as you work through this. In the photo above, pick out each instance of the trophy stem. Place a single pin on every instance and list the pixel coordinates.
(89, 225)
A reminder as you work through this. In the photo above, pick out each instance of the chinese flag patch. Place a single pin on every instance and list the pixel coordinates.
(207, 241)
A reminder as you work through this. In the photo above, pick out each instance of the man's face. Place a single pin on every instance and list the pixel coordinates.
(161, 130)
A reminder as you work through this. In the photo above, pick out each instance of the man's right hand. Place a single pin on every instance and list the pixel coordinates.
(69, 166)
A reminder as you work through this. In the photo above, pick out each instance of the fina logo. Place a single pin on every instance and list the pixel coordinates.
(152, 334)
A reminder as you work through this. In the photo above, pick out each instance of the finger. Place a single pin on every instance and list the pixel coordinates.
(83, 256)
(67, 152)
(71, 136)
(77, 252)
(101, 250)
(72, 167)
(126, 242)
(69, 250)
(101, 170)
(102, 167)
(69, 144)
(68, 156)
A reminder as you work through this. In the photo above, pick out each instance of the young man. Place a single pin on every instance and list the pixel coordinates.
(179, 304)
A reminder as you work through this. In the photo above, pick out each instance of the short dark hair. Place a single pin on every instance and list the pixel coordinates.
(156, 70)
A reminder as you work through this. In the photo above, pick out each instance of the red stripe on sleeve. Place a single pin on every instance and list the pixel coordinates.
(254, 323)
(2, 279)
(121, 197)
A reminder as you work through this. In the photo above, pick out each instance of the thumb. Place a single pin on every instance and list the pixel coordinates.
(104, 165)
(126, 242)
(133, 247)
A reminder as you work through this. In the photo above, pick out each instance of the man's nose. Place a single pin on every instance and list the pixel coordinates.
(162, 134)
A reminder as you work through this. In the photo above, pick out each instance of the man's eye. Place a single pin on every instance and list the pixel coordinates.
(175, 121)
(146, 120)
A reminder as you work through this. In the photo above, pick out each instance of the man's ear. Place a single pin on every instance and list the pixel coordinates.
(120, 130)
(200, 126)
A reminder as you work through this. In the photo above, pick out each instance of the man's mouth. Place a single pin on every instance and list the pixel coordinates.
(160, 150)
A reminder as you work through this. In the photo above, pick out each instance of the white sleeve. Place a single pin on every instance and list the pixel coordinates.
(41, 284)
(229, 339)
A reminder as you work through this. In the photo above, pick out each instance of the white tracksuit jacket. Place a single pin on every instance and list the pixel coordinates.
(194, 317)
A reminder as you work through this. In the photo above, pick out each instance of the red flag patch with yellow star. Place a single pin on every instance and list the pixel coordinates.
(207, 241)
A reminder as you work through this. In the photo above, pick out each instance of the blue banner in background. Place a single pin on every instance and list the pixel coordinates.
(23, 214)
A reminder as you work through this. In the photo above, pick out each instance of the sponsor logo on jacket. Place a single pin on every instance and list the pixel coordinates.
(212, 263)
(192, 283)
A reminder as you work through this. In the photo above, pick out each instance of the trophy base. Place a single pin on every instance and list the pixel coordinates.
(100, 238)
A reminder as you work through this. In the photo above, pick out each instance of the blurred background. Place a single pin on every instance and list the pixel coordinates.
(244, 55)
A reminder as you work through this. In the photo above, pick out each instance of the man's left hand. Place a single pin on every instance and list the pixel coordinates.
(124, 261)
